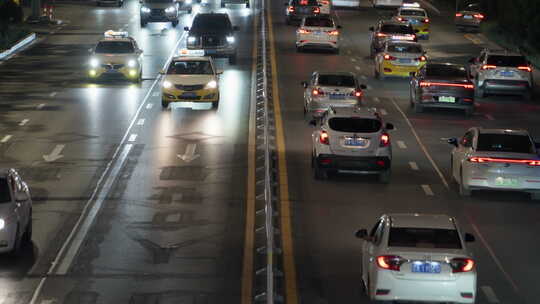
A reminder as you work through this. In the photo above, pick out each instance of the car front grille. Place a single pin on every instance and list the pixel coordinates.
(183, 97)
(157, 12)
(112, 66)
(211, 41)
(189, 87)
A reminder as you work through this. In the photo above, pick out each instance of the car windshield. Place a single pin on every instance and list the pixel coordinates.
(354, 124)
(322, 22)
(507, 61)
(446, 71)
(424, 238)
(504, 143)
(115, 47)
(405, 48)
(396, 29)
(5, 196)
(413, 13)
(337, 80)
(190, 68)
(209, 23)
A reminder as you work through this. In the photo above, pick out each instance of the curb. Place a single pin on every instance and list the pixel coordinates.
(22, 43)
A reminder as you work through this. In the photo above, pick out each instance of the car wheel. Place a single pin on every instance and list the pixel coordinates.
(418, 108)
(463, 190)
(336, 51)
(372, 52)
(190, 10)
(164, 104)
(384, 177)
(535, 196)
(98, 3)
(248, 5)
(232, 59)
(119, 4)
(27, 237)
(175, 23)
(215, 104)
(299, 49)
(287, 21)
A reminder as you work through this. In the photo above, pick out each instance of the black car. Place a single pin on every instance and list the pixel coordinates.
(390, 30)
(298, 9)
(213, 33)
(442, 85)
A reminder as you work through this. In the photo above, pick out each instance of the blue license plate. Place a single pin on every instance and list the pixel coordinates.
(414, 21)
(467, 17)
(355, 142)
(404, 61)
(426, 267)
(507, 74)
(337, 96)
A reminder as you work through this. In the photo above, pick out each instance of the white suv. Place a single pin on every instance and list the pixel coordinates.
(351, 140)
(502, 72)
(418, 257)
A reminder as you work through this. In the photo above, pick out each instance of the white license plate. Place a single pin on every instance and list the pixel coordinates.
(449, 99)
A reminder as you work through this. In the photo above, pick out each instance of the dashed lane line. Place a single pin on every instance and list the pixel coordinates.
(353, 59)
(357, 68)
(5, 139)
(427, 190)
(364, 77)
(140, 122)
(473, 38)
(401, 144)
(490, 294)
(149, 106)
(383, 111)
(376, 99)
(414, 166)
(53, 94)
(132, 138)
(24, 122)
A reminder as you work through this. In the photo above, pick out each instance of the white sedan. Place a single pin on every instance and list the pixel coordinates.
(496, 159)
(318, 32)
(418, 257)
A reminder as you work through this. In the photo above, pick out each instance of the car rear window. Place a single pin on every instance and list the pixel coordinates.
(5, 196)
(354, 125)
(446, 71)
(405, 48)
(396, 29)
(504, 143)
(507, 61)
(322, 22)
(211, 22)
(115, 47)
(413, 13)
(190, 67)
(337, 80)
(424, 238)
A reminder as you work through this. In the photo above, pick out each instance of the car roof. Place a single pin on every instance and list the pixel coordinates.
(503, 131)
(420, 220)
(355, 112)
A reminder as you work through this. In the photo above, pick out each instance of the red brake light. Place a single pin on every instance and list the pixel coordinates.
(316, 10)
(317, 92)
(459, 14)
(388, 57)
(525, 68)
(400, 19)
(462, 265)
(479, 16)
(488, 67)
(303, 2)
(323, 138)
(325, 2)
(444, 84)
(421, 58)
(333, 33)
(381, 35)
(304, 31)
(357, 93)
(426, 20)
(290, 9)
(390, 262)
(385, 140)
(529, 162)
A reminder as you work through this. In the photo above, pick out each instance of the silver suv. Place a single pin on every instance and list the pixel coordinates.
(502, 72)
(351, 140)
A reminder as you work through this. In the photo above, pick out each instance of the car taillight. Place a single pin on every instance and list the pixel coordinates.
(478, 16)
(316, 10)
(529, 162)
(462, 265)
(324, 138)
(290, 9)
(488, 67)
(357, 93)
(421, 58)
(525, 68)
(389, 57)
(325, 2)
(385, 140)
(317, 92)
(389, 262)
(400, 19)
(426, 20)
(459, 14)
(304, 31)
(333, 33)
(381, 35)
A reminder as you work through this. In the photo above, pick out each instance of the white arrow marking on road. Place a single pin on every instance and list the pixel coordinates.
(427, 190)
(53, 94)
(132, 137)
(140, 122)
(155, 94)
(24, 121)
(401, 144)
(190, 155)
(383, 112)
(5, 139)
(55, 154)
(149, 105)
(414, 166)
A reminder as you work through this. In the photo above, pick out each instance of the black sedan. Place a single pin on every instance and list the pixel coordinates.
(298, 9)
(442, 85)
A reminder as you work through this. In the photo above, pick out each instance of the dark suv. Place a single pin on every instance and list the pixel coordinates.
(298, 9)
(213, 33)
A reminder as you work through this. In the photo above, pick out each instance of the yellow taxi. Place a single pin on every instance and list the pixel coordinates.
(416, 16)
(116, 56)
(399, 58)
(190, 80)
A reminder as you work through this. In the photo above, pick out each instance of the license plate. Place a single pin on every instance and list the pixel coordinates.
(355, 142)
(426, 267)
(414, 21)
(188, 95)
(337, 96)
(447, 99)
(506, 73)
(467, 17)
(316, 32)
(404, 60)
(507, 182)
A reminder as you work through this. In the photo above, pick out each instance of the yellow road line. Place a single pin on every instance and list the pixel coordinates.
(291, 294)
(249, 236)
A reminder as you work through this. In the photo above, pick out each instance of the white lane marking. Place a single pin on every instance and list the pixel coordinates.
(473, 38)
(427, 190)
(376, 99)
(383, 111)
(490, 294)
(72, 244)
(364, 77)
(55, 154)
(155, 94)
(149, 106)
(48, 301)
(53, 94)
(401, 144)
(488, 116)
(140, 122)
(357, 68)
(443, 179)
(24, 121)
(414, 166)
(132, 137)
(40, 106)
(5, 139)
(353, 59)
(189, 155)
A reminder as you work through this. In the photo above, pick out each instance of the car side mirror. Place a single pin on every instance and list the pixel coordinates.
(371, 28)
(361, 234)
(363, 86)
(389, 126)
(235, 28)
(469, 238)
(186, 28)
(452, 141)
(21, 197)
(313, 122)
(304, 84)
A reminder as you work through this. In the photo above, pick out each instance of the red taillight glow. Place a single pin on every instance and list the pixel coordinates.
(529, 162)
(525, 68)
(444, 84)
(421, 58)
(400, 19)
(488, 67)
(333, 33)
(381, 35)
(290, 9)
(389, 262)
(426, 20)
(323, 138)
(325, 2)
(389, 57)
(317, 92)
(459, 14)
(385, 140)
(478, 16)
(462, 265)
(316, 10)
(357, 93)
(304, 31)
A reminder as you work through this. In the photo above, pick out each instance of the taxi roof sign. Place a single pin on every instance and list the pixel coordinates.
(191, 53)
(115, 34)
(413, 4)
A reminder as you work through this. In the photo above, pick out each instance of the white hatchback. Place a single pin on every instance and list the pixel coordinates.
(318, 32)
(418, 257)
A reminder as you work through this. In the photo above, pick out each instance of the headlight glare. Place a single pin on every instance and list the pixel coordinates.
(230, 39)
(167, 84)
(94, 62)
(2, 224)
(132, 63)
(170, 9)
(191, 39)
(145, 9)
(211, 85)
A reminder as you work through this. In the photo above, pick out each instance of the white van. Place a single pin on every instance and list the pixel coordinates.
(346, 3)
(387, 3)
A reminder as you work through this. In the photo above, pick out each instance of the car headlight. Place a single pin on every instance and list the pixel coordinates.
(132, 63)
(2, 224)
(145, 9)
(188, 1)
(167, 84)
(230, 39)
(170, 9)
(191, 39)
(94, 62)
(211, 85)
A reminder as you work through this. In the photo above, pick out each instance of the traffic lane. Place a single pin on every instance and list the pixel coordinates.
(174, 217)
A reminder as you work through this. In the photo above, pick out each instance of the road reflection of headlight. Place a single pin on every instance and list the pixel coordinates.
(191, 39)
(167, 84)
(170, 9)
(2, 224)
(211, 85)
(94, 62)
(132, 63)
(145, 9)
(230, 39)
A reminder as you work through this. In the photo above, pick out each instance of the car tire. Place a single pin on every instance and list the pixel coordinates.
(164, 104)
(215, 104)
(372, 52)
(190, 10)
(418, 108)
(287, 21)
(384, 176)
(175, 22)
(119, 4)
(535, 196)
(336, 51)
(27, 236)
(98, 3)
(232, 59)
(143, 23)
(463, 191)
(248, 5)
(299, 49)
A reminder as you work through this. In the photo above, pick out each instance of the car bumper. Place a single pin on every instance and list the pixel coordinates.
(467, 23)
(461, 289)
(209, 95)
(495, 85)
(299, 17)
(478, 180)
(463, 100)
(122, 73)
(389, 69)
(353, 164)
(7, 238)
(316, 44)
